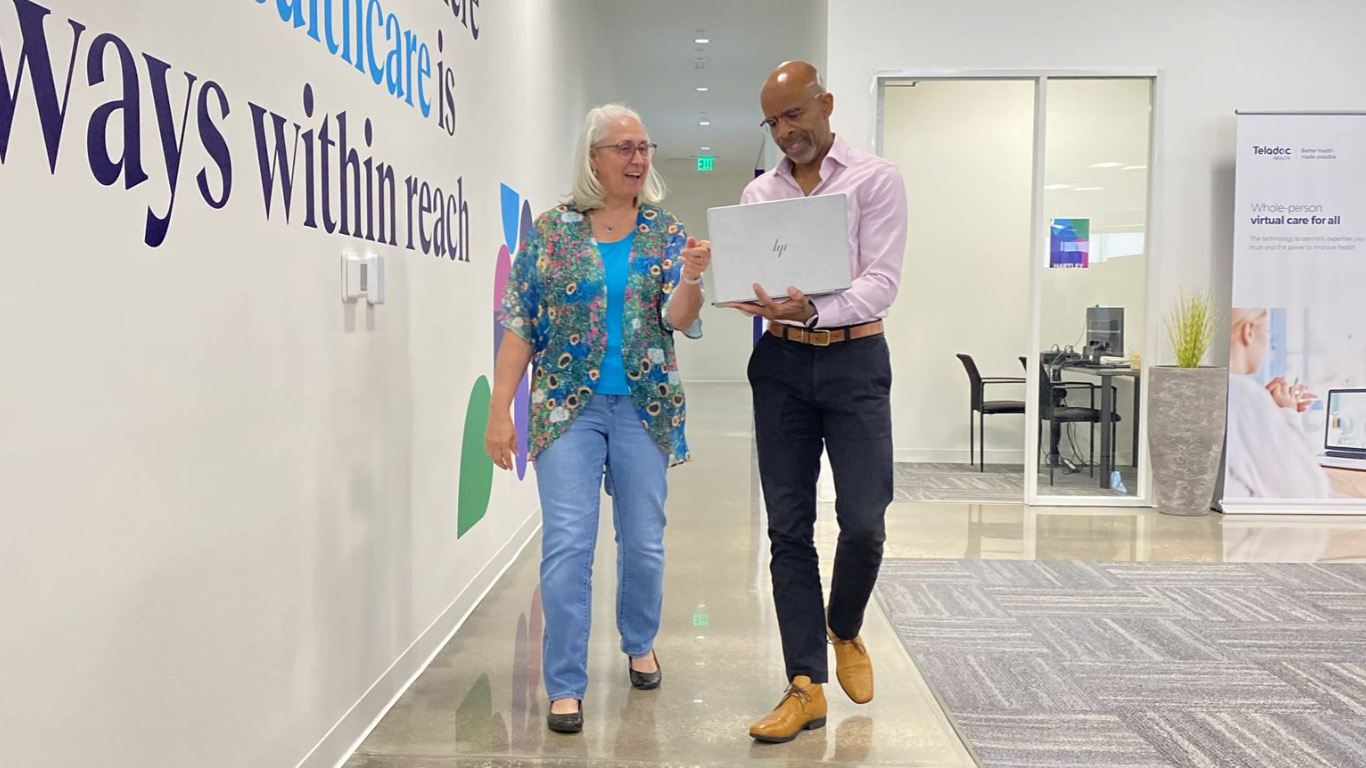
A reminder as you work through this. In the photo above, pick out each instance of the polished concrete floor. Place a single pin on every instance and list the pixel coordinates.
(481, 702)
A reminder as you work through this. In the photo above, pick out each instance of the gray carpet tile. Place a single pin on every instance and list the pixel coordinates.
(1089, 602)
(1059, 740)
(1130, 664)
(1000, 483)
(1119, 639)
(1350, 605)
(1205, 739)
(1238, 604)
(1187, 574)
(1339, 686)
(1005, 682)
(1264, 641)
(942, 600)
(926, 571)
(1342, 578)
(1024, 573)
(968, 635)
(1188, 685)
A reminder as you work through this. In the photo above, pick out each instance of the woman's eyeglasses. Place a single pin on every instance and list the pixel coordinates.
(626, 150)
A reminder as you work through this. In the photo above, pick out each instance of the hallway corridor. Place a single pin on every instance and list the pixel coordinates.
(481, 702)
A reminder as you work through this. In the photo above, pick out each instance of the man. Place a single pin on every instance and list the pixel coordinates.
(821, 378)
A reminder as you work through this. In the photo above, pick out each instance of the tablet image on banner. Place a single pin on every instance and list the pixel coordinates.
(1294, 426)
(1297, 333)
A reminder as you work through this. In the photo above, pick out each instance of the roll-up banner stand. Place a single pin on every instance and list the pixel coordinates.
(1297, 331)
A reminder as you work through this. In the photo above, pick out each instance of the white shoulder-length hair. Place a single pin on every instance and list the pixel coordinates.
(588, 192)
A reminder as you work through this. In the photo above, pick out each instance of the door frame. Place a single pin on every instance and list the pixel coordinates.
(1143, 497)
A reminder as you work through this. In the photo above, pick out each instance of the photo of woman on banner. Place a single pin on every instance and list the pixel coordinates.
(1270, 453)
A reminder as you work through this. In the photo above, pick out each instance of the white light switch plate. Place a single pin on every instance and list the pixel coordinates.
(374, 279)
(352, 277)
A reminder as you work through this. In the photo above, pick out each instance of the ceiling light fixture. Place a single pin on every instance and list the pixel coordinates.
(702, 89)
(706, 149)
(702, 40)
(705, 122)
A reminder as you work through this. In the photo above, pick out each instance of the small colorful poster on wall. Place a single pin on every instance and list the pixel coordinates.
(1069, 244)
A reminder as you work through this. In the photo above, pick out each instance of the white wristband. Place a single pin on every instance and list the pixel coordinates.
(698, 281)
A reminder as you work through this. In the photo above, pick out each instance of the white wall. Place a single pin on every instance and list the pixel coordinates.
(728, 336)
(1217, 56)
(230, 501)
(966, 283)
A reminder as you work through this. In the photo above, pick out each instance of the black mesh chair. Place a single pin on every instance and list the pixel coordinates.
(981, 407)
(1054, 409)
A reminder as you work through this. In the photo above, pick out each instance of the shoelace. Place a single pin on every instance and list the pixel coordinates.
(856, 642)
(793, 690)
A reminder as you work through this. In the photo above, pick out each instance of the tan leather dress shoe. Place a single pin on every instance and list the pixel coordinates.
(853, 668)
(802, 709)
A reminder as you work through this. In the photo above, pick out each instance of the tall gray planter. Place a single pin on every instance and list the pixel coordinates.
(1186, 414)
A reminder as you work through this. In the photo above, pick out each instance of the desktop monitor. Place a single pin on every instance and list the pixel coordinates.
(1105, 331)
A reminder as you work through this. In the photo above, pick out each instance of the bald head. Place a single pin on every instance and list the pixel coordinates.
(797, 109)
(795, 76)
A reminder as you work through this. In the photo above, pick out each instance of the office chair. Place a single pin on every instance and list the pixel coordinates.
(980, 408)
(1054, 409)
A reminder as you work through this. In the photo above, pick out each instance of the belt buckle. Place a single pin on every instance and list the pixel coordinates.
(811, 337)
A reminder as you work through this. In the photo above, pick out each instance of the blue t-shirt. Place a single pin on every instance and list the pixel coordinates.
(616, 260)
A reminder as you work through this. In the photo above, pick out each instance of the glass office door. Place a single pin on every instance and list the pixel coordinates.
(1091, 269)
(1043, 279)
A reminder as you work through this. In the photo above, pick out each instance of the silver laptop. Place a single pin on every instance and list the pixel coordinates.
(802, 243)
(1344, 432)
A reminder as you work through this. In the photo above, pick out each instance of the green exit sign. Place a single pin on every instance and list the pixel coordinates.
(706, 163)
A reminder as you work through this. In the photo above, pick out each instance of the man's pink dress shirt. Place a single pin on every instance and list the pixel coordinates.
(877, 228)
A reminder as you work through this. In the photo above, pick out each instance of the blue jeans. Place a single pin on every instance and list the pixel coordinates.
(606, 442)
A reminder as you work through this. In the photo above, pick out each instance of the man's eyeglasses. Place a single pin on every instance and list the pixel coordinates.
(789, 115)
(626, 150)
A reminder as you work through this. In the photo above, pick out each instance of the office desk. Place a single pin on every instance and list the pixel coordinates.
(1347, 483)
(1107, 408)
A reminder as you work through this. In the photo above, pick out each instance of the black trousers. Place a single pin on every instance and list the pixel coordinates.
(807, 398)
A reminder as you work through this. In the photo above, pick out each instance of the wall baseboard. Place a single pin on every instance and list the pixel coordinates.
(351, 730)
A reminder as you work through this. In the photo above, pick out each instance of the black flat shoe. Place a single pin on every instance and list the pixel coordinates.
(570, 723)
(645, 681)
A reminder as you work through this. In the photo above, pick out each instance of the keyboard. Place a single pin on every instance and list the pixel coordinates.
(1338, 462)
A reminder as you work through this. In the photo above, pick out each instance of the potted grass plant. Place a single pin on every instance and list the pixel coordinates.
(1186, 405)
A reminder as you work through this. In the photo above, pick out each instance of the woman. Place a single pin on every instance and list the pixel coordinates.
(1269, 455)
(592, 302)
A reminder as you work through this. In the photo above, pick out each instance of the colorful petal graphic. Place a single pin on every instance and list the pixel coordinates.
(511, 209)
(526, 223)
(476, 468)
(521, 407)
(501, 270)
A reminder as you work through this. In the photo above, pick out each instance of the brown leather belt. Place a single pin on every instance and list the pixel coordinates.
(824, 337)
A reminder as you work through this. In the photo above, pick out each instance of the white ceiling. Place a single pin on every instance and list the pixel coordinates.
(656, 65)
